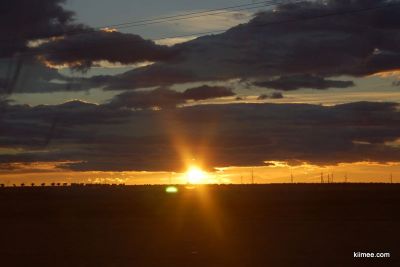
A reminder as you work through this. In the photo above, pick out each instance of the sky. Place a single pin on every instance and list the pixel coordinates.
(140, 92)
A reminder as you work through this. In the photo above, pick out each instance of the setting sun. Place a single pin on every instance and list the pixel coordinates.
(195, 175)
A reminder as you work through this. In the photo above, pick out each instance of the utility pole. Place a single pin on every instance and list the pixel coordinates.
(291, 177)
(322, 177)
(241, 179)
(328, 178)
(332, 177)
(345, 177)
(252, 175)
(391, 178)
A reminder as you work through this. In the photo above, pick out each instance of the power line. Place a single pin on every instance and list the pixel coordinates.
(354, 11)
(189, 15)
(348, 12)
(185, 18)
(164, 19)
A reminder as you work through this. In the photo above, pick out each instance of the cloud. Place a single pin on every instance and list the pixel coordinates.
(274, 95)
(82, 50)
(126, 134)
(160, 75)
(167, 98)
(222, 20)
(271, 49)
(161, 98)
(22, 21)
(206, 92)
(31, 76)
(82, 136)
(289, 83)
(396, 83)
(59, 40)
(286, 43)
(174, 40)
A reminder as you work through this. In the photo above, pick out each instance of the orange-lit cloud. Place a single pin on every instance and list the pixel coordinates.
(387, 74)
(107, 29)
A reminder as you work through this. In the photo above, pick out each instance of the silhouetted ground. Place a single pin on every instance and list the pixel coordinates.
(251, 225)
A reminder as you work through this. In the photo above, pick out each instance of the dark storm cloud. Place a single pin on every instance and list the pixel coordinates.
(159, 75)
(97, 137)
(35, 127)
(72, 113)
(81, 50)
(206, 92)
(288, 83)
(283, 47)
(274, 95)
(162, 98)
(62, 42)
(287, 43)
(21, 21)
(167, 98)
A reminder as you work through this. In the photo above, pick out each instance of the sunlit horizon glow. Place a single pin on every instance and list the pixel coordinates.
(195, 175)
(274, 172)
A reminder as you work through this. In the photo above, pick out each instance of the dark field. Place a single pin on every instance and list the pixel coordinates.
(249, 225)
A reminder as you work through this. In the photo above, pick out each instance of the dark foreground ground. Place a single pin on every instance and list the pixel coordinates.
(253, 225)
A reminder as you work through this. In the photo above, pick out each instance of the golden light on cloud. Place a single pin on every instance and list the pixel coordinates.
(52, 65)
(107, 29)
(387, 74)
(39, 42)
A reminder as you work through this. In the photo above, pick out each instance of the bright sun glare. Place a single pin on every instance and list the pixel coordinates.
(195, 175)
